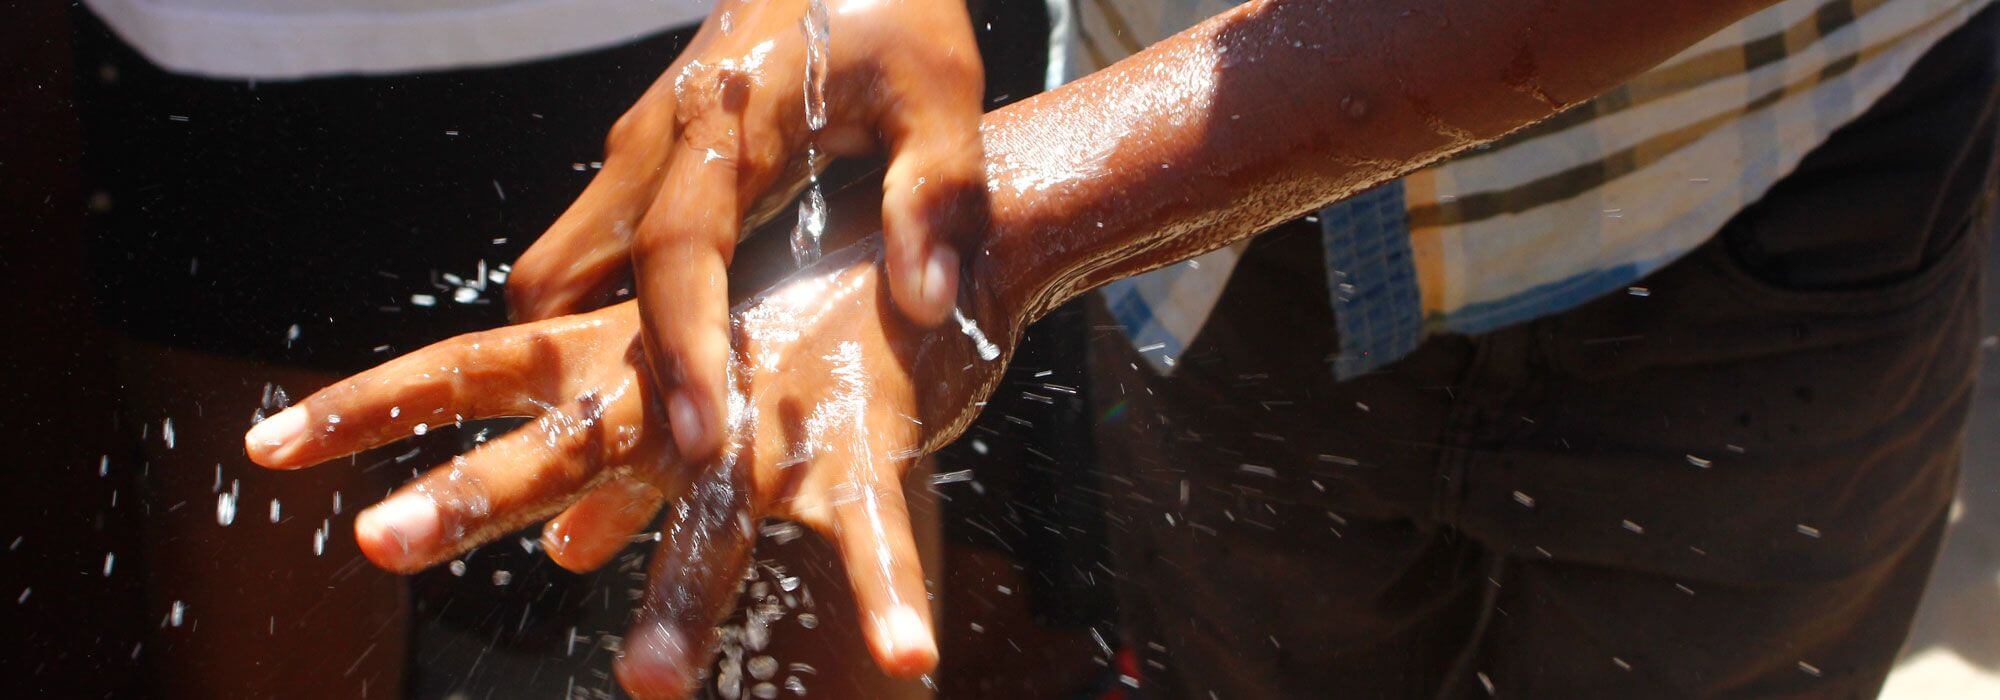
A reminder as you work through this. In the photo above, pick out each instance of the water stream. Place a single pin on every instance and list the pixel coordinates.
(812, 207)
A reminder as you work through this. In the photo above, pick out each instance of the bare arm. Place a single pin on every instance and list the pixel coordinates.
(1277, 107)
(1251, 118)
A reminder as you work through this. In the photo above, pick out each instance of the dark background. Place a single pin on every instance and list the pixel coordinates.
(71, 631)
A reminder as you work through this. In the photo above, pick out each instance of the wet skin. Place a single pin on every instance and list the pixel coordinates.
(833, 395)
(722, 138)
(1247, 120)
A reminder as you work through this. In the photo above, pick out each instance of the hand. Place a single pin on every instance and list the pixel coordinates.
(833, 397)
(723, 134)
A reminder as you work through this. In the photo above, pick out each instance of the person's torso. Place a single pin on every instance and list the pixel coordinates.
(1583, 204)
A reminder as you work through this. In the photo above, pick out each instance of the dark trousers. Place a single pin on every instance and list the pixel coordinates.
(1732, 487)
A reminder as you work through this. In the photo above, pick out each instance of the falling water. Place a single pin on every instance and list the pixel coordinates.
(812, 208)
(812, 221)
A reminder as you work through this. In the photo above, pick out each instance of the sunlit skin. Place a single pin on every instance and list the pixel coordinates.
(834, 396)
(1247, 120)
(725, 127)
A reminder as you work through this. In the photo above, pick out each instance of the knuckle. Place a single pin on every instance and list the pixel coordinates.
(461, 496)
(619, 134)
(526, 300)
(647, 246)
(676, 246)
(956, 67)
(629, 130)
(527, 282)
(702, 86)
(659, 241)
(574, 439)
(484, 383)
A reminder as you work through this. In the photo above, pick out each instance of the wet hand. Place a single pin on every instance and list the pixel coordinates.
(832, 395)
(725, 132)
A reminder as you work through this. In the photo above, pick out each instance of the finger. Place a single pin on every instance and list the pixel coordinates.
(584, 254)
(599, 526)
(934, 190)
(480, 375)
(681, 258)
(521, 477)
(691, 587)
(870, 523)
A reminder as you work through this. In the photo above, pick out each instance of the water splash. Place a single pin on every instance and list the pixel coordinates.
(987, 350)
(812, 219)
(816, 26)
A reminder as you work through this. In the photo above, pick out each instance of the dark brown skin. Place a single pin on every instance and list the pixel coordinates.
(1273, 109)
(723, 134)
(1252, 118)
(840, 394)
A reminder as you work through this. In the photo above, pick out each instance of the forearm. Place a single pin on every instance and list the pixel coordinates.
(1278, 107)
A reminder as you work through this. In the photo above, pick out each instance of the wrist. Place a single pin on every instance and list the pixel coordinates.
(1010, 277)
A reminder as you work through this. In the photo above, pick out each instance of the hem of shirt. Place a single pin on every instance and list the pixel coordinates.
(1372, 279)
(265, 46)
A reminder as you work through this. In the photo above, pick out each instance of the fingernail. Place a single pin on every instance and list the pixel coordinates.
(555, 540)
(910, 636)
(654, 663)
(275, 432)
(400, 531)
(689, 431)
(940, 276)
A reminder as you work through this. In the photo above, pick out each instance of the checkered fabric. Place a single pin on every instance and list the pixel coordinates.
(1583, 204)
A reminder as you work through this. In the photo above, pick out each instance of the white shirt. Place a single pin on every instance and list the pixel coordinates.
(293, 39)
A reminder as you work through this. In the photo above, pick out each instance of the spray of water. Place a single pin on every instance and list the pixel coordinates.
(812, 208)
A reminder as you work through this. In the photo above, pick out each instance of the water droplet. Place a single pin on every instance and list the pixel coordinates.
(987, 350)
(812, 219)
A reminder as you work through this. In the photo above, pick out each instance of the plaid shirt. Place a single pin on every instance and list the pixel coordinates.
(1583, 204)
